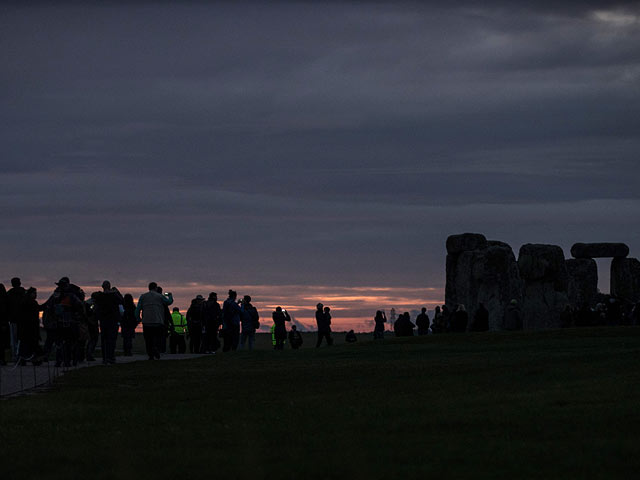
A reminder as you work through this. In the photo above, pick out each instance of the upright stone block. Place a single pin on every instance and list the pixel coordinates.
(583, 281)
(481, 271)
(543, 269)
(625, 279)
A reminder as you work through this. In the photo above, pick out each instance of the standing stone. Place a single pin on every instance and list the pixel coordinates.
(499, 282)
(625, 279)
(543, 269)
(583, 281)
(465, 242)
(481, 271)
(599, 250)
(459, 287)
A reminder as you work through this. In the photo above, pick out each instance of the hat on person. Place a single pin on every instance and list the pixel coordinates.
(64, 280)
(199, 297)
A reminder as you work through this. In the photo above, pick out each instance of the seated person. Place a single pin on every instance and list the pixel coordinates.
(295, 338)
(351, 337)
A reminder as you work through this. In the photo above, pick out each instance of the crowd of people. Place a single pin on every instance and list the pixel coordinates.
(609, 312)
(74, 324)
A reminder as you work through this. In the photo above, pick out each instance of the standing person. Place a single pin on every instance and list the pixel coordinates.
(92, 329)
(66, 305)
(29, 329)
(512, 318)
(380, 319)
(422, 322)
(162, 341)
(480, 319)
(403, 327)
(4, 324)
(295, 338)
(231, 315)
(15, 298)
(106, 309)
(250, 321)
(194, 324)
(178, 331)
(446, 319)
(350, 337)
(280, 316)
(150, 310)
(323, 321)
(459, 320)
(128, 324)
(438, 322)
(211, 316)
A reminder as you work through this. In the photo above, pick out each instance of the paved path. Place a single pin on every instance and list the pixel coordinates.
(15, 379)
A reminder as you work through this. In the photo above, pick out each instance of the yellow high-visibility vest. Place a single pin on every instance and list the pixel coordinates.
(179, 323)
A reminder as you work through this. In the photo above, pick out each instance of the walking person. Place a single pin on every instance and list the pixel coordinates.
(162, 340)
(378, 330)
(29, 329)
(150, 311)
(15, 298)
(250, 322)
(179, 329)
(66, 305)
(280, 316)
(128, 324)
(323, 321)
(106, 308)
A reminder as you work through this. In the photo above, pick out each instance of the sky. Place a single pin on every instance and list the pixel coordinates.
(310, 151)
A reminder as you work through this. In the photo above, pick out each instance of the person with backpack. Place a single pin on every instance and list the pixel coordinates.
(250, 321)
(194, 324)
(66, 305)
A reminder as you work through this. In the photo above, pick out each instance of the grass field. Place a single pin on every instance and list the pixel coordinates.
(557, 404)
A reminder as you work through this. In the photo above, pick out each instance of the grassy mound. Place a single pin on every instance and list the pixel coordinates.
(557, 404)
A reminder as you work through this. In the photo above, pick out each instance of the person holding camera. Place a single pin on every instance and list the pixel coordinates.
(280, 316)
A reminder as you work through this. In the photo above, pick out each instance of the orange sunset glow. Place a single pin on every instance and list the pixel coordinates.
(351, 307)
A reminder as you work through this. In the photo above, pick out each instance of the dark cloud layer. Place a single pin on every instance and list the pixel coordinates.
(307, 144)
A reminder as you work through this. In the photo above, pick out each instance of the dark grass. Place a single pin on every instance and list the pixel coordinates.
(557, 404)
